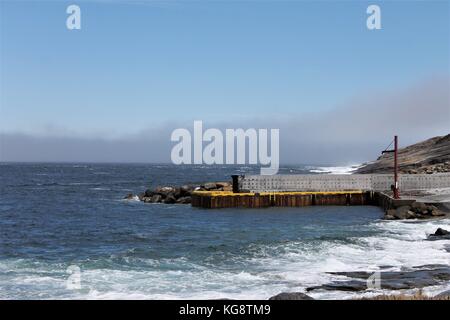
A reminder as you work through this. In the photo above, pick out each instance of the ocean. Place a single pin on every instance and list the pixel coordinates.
(56, 218)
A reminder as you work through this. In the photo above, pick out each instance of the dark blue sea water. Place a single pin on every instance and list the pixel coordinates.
(55, 218)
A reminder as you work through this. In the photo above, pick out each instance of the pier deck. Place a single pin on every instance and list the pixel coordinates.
(308, 190)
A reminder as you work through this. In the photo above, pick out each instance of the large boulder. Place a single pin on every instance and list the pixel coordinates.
(223, 184)
(210, 186)
(443, 295)
(390, 214)
(186, 190)
(184, 200)
(177, 192)
(147, 199)
(182, 194)
(439, 234)
(435, 212)
(291, 296)
(408, 278)
(170, 199)
(156, 198)
(410, 215)
(402, 212)
(129, 196)
(418, 207)
(164, 191)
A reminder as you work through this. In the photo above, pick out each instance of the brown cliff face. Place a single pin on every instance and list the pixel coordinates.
(429, 156)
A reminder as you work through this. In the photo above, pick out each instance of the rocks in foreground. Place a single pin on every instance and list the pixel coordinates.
(417, 277)
(417, 210)
(291, 296)
(440, 234)
(417, 296)
(177, 195)
(443, 295)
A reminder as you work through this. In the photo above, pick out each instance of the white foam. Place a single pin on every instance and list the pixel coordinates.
(335, 170)
(265, 270)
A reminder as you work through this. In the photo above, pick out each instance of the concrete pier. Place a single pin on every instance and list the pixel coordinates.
(308, 190)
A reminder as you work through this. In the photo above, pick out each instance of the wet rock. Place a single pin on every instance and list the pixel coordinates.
(390, 214)
(351, 285)
(418, 277)
(184, 200)
(170, 199)
(402, 212)
(129, 196)
(182, 194)
(210, 186)
(147, 199)
(291, 296)
(440, 234)
(437, 213)
(156, 198)
(417, 210)
(176, 192)
(223, 184)
(418, 206)
(186, 190)
(443, 295)
(164, 191)
(410, 215)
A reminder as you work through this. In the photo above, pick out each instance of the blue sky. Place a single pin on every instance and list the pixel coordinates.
(145, 64)
(134, 65)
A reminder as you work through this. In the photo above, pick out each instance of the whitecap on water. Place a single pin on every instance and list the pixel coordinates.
(335, 170)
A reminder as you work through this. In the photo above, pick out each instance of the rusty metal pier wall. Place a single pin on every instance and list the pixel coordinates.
(221, 199)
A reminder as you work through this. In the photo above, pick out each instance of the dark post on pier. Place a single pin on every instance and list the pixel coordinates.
(396, 193)
(235, 178)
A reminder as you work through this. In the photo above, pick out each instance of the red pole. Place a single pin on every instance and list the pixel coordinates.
(396, 193)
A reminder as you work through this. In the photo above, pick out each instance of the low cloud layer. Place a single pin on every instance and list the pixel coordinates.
(353, 132)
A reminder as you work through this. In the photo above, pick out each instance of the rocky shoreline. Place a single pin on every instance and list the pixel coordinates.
(426, 157)
(417, 296)
(417, 277)
(177, 194)
(417, 210)
(414, 278)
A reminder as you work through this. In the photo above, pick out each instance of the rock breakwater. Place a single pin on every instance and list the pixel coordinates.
(177, 194)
